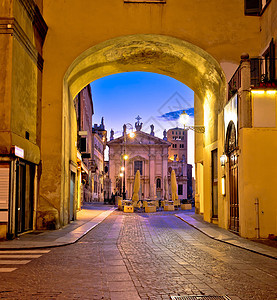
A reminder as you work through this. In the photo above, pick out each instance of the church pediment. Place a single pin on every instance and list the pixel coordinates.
(137, 157)
(141, 138)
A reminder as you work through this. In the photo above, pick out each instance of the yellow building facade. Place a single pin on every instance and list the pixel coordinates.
(198, 44)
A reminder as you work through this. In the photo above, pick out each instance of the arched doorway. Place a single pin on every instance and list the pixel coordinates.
(232, 153)
(160, 54)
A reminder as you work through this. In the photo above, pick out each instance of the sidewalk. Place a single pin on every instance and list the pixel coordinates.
(89, 217)
(225, 236)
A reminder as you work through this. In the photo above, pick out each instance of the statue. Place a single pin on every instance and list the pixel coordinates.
(138, 125)
(152, 129)
(112, 135)
(124, 129)
(165, 135)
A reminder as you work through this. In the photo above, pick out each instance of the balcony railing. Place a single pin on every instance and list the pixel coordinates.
(234, 84)
(262, 74)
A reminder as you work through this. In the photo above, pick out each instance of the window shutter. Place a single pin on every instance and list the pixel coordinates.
(255, 71)
(272, 59)
(252, 7)
(4, 193)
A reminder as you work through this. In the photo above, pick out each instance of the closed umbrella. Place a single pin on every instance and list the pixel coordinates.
(173, 186)
(135, 198)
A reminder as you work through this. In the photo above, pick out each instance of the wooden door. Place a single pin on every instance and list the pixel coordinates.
(214, 184)
(232, 152)
(234, 199)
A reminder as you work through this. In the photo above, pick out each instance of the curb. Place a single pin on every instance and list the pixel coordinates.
(226, 242)
(61, 244)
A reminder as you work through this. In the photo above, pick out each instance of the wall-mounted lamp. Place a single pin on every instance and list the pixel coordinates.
(223, 160)
(122, 169)
(125, 156)
(121, 174)
(223, 185)
(184, 119)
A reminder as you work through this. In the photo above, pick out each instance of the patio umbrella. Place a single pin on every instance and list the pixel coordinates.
(173, 186)
(165, 188)
(135, 198)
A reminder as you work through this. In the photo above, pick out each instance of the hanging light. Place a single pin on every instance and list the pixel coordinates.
(184, 118)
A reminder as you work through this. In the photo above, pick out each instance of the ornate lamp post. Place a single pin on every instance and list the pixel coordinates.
(184, 118)
(125, 156)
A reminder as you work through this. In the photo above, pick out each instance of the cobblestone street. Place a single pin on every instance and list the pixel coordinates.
(143, 256)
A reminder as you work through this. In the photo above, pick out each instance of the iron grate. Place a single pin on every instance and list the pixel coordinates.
(200, 297)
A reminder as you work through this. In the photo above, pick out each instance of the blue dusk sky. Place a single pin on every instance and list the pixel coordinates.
(157, 99)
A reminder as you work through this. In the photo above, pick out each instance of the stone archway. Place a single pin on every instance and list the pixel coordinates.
(141, 52)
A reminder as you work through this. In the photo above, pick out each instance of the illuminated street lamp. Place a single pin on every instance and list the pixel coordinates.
(125, 156)
(184, 118)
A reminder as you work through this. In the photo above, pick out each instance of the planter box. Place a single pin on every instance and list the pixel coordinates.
(177, 202)
(150, 209)
(120, 206)
(128, 209)
(169, 207)
(186, 206)
(117, 199)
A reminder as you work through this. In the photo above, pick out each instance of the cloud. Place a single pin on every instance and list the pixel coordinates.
(175, 115)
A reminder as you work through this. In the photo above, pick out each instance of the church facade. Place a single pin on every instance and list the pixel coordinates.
(144, 152)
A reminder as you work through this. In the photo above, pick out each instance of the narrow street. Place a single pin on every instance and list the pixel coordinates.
(139, 256)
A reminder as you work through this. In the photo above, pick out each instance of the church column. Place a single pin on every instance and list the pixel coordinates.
(151, 175)
(164, 168)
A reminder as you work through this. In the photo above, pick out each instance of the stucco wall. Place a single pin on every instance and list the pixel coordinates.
(257, 174)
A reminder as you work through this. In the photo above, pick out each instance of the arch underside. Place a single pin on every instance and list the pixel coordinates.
(149, 53)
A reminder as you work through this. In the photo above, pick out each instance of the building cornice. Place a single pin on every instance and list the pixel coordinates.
(11, 26)
(35, 16)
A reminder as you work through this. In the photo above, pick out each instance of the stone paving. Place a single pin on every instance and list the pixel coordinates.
(143, 256)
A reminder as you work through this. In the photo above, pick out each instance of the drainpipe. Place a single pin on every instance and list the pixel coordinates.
(257, 218)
